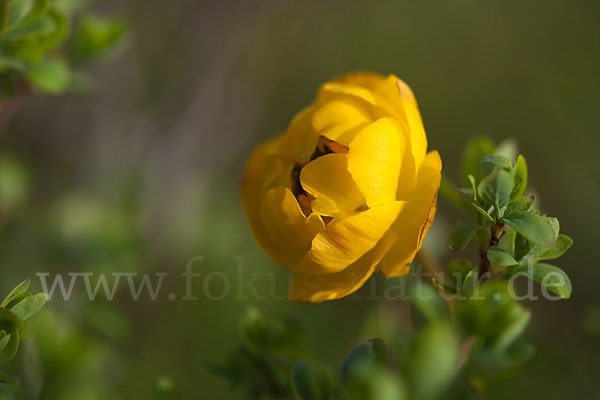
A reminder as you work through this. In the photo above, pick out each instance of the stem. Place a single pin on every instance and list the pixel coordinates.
(496, 232)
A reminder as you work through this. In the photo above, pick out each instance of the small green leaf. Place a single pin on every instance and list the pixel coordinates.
(533, 227)
(500, 257)
(492, 314)
(476, 206)
(496, 188)
(310, 381)
(20, 288)
(521, 203)
(520, 177)
(475, 150)
(470, 282)
(14, 329)
(433, 360)
(371, 352)
(51, 75)
(460, 236)
(17, 11)
(517, 319)
(375, 383)
(29, 305)
(471, 179)
(260, 333)
(489, 164)
(563, 243)
(37, 27)
(442, 287)
(6, 378)
(459, 268)
(95, 36)
(549, 276)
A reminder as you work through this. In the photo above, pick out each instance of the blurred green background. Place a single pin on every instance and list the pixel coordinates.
(143, 174)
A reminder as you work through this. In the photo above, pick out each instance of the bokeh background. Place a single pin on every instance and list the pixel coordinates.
(143, 174)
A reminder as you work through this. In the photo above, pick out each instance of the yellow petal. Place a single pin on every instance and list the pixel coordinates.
(417, 131)
(341, 118)
(388, 96)
(327, 179)
(301, 139)
(263, 168)
(415, 219)
(289, 232)
(374, 161)
(316, 287)
(347, 239)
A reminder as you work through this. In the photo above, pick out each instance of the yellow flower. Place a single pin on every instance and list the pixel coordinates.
(348, 189)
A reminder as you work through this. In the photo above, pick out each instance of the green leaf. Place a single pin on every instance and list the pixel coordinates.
(310, 381)
(260, 333)
(549, 276)
(498, 361)
(469, 283)
(520, 177)
(476, 206)
(428, 306)
(496, 188)
(459, 269)
(17, 11)
(39, 8)
(95, 36)
(475, 150)
(6, 378)
(521, 203)
(37, 27)
(29, 305)
(516, 321)
(491, 314)
(9, 62)
(489, 164)
(20, 288)
(51, 75)
(365, 354)
(460, 236)
(33, 49)
(500, 257)
(14, 329)
(563, 243)
(471, 179)
(433, 360)
(375, 383)
(533, 227)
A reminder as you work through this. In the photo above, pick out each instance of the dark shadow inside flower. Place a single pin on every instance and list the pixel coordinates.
(324, 146)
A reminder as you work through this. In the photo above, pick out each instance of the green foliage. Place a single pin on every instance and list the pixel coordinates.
(364, 355)
(499, 205)
(39, 46)
(460, 236)
(311, 381)
(16, 308)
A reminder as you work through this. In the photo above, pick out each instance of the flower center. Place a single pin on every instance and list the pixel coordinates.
(324, 146)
